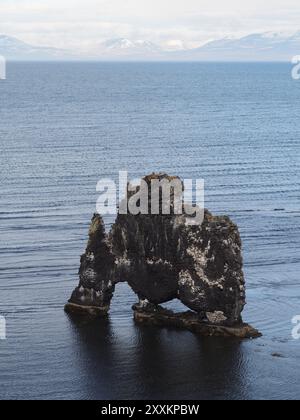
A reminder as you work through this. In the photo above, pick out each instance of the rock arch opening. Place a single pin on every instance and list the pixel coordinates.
(163, 258)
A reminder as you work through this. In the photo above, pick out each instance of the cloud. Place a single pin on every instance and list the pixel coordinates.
(69, 23)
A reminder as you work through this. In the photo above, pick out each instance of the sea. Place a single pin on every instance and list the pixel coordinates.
(64, 126)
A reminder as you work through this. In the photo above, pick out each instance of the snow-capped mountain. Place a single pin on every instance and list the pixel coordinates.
(127, 44)
(14, 49)
(126, 48)
(254, 47)
(268, 46)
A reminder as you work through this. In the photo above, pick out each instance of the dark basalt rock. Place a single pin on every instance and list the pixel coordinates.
(160, 317)
(162, 258)
(96, 274)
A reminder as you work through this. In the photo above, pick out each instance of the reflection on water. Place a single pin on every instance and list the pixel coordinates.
(126, 360)
(157, 363)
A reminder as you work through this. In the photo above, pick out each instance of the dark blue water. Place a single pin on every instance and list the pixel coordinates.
(63, 127)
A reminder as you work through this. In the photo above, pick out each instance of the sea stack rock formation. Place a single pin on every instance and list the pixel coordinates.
(96, 274)
(163, 257)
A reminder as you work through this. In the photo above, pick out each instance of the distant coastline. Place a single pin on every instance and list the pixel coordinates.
(261, 47)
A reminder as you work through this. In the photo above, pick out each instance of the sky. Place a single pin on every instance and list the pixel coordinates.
(171, 23)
